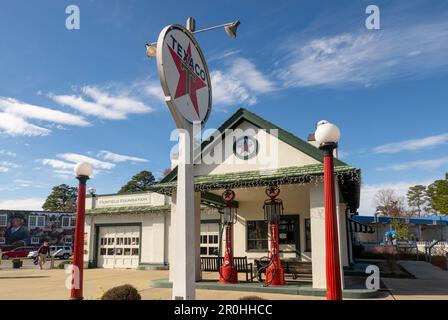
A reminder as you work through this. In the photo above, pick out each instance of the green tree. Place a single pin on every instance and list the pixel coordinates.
(438, 196)
(402, 229)
(62, 198)
(417, 198)
(142, 181)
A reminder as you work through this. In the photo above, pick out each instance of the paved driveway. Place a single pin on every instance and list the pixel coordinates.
(31, 283)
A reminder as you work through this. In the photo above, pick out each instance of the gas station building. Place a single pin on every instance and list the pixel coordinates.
(135, 230)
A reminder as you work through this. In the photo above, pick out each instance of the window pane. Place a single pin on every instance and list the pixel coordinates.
(203, 250)
(213, 251)
(119, 251)
(134, 251)
(3, 220)
(286, 231)
(110, 251)
(257, 235)
(127, 251)
(102, 251)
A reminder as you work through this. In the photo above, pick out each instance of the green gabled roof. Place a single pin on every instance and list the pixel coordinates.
(129, 209)
(285, 136)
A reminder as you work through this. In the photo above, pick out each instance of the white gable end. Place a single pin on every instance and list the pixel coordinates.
(270, 152)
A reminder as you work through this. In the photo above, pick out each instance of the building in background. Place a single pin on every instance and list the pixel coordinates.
(27, 228)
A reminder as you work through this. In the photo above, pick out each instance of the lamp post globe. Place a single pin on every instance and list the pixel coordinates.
(326, 132)
(83, 169)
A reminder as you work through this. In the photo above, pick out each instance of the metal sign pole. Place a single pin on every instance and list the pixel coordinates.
(184, 248)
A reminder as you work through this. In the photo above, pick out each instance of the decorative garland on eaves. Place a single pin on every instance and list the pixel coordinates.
(343, 177)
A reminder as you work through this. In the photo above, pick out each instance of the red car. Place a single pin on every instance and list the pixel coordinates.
(20, 252)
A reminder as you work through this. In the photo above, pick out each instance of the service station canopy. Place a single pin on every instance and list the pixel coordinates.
(184, 76)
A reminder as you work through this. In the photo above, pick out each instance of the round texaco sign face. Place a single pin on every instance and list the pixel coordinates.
(245, 147)
(184, 75)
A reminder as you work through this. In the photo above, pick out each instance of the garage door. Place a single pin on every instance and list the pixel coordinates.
(119, 247)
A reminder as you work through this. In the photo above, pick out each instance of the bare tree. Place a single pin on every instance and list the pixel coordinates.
(389, 203)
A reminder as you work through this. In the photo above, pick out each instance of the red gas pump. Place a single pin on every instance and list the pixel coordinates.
(273, 210)
(228, 272)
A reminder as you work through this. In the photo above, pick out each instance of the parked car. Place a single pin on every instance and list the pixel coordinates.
(65, 253)
(20, 252)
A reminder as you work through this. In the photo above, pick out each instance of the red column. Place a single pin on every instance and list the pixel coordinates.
(228, 272)
(333, 273)
(78, 250)
(275, 275)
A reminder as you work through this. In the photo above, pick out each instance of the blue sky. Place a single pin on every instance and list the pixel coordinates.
(70, 94)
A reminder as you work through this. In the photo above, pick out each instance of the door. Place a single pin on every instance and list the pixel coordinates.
(289, 236)
(119, 247)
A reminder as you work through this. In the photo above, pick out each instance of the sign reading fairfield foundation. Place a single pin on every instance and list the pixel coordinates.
(184, 76)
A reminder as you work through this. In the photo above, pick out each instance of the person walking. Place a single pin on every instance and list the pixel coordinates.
(42, 253)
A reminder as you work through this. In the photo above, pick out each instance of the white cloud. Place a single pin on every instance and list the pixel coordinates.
(413, 145)
(17, 126)
(244, 69)
(419, 164)
(56, 164)
(228, 90)
(121, 103)
(7, 153)
(368, 192)
(115, 157)
(154, 89)
(101, 103)
(6, 166)
(87, 107)
(75, 158)
(22, 204)
(367, 57)
(240, 83)
(29, 111)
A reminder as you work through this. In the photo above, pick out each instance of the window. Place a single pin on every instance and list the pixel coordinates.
(134, 252)
(127, 251)
(209, 243)
(2, 240)
(69, 238)
(257, 235)
(36, 221)
(3, 220)
(102, 251)
(308, 235)
(68, 222)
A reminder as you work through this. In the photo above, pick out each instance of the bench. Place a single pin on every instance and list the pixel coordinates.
(242, 265)
(296, 269)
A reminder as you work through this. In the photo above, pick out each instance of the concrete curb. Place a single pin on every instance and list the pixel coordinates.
(293, 289)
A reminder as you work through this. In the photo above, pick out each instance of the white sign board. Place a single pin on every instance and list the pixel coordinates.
(184, 76)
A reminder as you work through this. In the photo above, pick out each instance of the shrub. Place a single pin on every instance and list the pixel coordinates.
(124, 292)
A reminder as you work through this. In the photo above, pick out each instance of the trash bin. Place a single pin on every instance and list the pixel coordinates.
(17, 263)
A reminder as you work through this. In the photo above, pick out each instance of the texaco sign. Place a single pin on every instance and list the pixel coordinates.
(184, 76)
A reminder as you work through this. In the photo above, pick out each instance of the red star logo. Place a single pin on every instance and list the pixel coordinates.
(189, 81)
